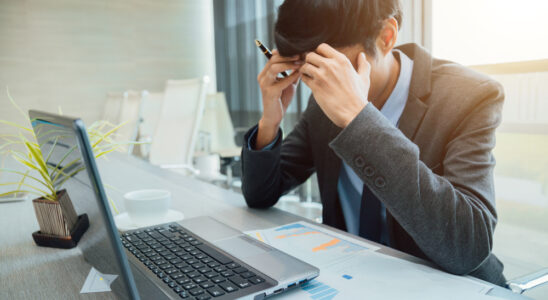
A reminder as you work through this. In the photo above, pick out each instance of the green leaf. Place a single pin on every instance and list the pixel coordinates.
(15, 104)
(28, 176)
(36, 154)
(15, 125)
(109, 133)
(26, 185)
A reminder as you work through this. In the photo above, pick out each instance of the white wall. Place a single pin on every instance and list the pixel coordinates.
(70, 53)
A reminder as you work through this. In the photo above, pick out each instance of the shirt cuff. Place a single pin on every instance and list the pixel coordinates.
(253, 137)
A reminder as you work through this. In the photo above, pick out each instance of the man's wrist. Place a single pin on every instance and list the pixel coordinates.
(266, 133)
(351, 117)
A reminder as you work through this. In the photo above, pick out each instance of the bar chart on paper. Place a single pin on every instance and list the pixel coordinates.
(319, 247)
(311, 243)
(352, 269)
(319, 291)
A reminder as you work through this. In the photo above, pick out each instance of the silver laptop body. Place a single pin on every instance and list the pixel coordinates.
(107, 251)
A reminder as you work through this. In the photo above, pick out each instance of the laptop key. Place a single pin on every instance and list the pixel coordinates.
(181, 265)
(239, 270)
(218, 279)
(239, 281)
(214, 254)
(256, 280)
(189, 286)
(170, 256)
(198, 266)
(184, 294)
(183, 280)
(199, 279)
(176, 261)
(161, 262)
(215, 291)
(247, 274)
(187, 257)
(211, 274)
(177, 289)
(203, 297)
(228, 287)
(207, 284)
(196, 291)
(233, 265)
(227, 273)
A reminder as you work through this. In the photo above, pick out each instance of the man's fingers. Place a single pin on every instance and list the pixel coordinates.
(364, 68)
(309, 81)
(309, 70)
(315, 59)
(287, 81)
(327, 51)
(277, 68)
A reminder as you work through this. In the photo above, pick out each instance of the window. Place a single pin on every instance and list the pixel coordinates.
(507, 40)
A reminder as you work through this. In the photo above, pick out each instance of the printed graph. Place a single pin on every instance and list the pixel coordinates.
(329, 242)
(319, 291)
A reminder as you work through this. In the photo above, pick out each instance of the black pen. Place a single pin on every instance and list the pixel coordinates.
(267, 53)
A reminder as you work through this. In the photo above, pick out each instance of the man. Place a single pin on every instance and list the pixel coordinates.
(400, 141)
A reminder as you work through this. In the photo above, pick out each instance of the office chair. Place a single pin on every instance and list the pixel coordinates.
(217, 134)
(175, 136)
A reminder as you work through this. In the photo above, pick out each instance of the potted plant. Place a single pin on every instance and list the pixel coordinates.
(60, 226)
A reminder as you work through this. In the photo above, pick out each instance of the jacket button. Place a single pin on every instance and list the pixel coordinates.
(359, 161)
(380, 182)
(369, 171)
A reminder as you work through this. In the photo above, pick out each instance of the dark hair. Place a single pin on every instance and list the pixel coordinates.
(304, 24)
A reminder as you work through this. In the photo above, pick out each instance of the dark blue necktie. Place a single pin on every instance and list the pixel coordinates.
(370, 216)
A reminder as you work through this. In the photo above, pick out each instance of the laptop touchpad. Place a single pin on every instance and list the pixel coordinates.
(242, 247)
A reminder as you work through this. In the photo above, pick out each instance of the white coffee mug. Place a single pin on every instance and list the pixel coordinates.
(147, 206)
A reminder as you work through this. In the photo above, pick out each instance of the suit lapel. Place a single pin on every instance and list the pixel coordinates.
(412, 116)
(419, 89)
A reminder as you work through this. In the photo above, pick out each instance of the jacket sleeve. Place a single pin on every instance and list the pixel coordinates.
(268, 174)
(450, 217)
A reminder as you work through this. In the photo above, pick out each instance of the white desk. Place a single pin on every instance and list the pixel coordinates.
(31, 272)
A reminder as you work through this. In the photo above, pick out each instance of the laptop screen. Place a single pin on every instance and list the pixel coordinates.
(61, 148)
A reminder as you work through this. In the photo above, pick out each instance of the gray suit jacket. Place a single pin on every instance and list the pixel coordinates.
(434, 173)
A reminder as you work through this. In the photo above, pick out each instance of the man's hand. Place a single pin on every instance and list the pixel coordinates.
(339, 90)
(277, 94)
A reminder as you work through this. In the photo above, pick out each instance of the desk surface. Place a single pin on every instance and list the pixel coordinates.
(30, 272)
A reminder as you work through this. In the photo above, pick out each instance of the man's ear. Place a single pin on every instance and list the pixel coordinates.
(388, 36)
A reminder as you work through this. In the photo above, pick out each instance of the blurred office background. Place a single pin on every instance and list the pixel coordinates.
(113, 59)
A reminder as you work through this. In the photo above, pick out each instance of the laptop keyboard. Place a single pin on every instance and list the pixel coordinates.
(192, 269)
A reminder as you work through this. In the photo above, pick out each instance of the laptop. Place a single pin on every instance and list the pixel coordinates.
(198, 258)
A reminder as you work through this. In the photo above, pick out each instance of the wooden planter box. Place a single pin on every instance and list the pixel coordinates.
(60, 226)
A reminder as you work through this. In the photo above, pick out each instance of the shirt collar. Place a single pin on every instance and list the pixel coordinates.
(394, 105)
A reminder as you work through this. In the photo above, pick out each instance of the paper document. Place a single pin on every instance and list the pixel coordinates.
(351, 269)
(97, 282)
